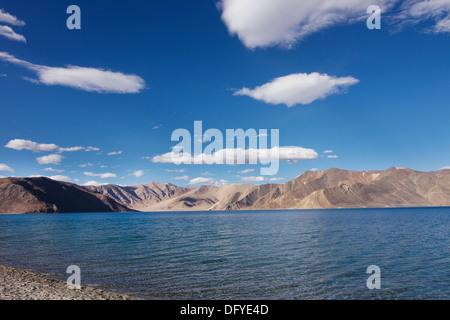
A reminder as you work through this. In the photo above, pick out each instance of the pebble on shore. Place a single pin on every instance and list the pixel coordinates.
(18, 284)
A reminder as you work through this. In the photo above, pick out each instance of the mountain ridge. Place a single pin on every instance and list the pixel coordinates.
(44, 195)
(332, 188)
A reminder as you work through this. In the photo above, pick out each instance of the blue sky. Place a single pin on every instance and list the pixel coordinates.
(138, 70)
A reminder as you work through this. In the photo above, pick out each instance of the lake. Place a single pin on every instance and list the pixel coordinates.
(291, 254)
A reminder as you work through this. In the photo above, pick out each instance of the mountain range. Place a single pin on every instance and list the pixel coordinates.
(333, 188)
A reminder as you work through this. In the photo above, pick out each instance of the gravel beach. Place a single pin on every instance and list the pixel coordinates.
(18, 284)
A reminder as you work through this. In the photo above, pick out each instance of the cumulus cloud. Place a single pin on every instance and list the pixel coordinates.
(9, 33)
(208, 181)
(230, 156)
(60, 178)
(91, 149)
(266, 23)
(101, 175)
(298, 88)
(56, 177)
(4, 167)
(181, 178)
(94, 183)
(260, 179)
(20, 144)
(138, 173)
(81, 78)
(50, 159)
(53, 170)
(86, 165)
(328, 151)
(175, 170)
(202, 180)
(332, 157)
(71, 149)
(247, 171)
(115, 153)
(8, 18)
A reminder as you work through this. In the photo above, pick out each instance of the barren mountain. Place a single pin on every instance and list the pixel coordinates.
(43, 195)
(335, 188)
(141, 196)
(203, 198)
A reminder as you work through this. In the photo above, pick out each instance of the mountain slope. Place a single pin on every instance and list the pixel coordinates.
(43, 195)
(202, 198)
(335, 188)
(141, 196)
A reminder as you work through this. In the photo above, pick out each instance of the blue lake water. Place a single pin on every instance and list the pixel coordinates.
(295, 254)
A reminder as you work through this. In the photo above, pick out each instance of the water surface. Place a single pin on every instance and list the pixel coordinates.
(294, 254)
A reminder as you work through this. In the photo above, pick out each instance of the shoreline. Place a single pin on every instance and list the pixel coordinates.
(20, 284)
(236, 210)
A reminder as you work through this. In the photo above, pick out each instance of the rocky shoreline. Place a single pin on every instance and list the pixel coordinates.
(19, 284)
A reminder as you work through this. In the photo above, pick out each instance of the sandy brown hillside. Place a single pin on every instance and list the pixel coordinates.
(43, 195)
(335, 188)
(203, 198)
(140, 197)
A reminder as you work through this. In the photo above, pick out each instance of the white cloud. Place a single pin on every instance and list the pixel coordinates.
(94, 183)
(71, 149)
(181, 178)
(260, 179)
(53, 170)
(328, 151)
(9, 33)
(265, 23)
(101, 175)
(115, 153)
(138, 173)
(445, 168)
(57, 177)
(157, 126)
(332, 157)
(81, 78)
(207, 173)
(416, 11)
(314, 169)
(298, 88)
(175, 170)
(50, 159)
(8, 18)
(229, 156)
(60, 178)
(4, 167)
(247, 171)
(202, 180)
(86, 165)
(91, 149)
(20, 144)
(221, 182)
